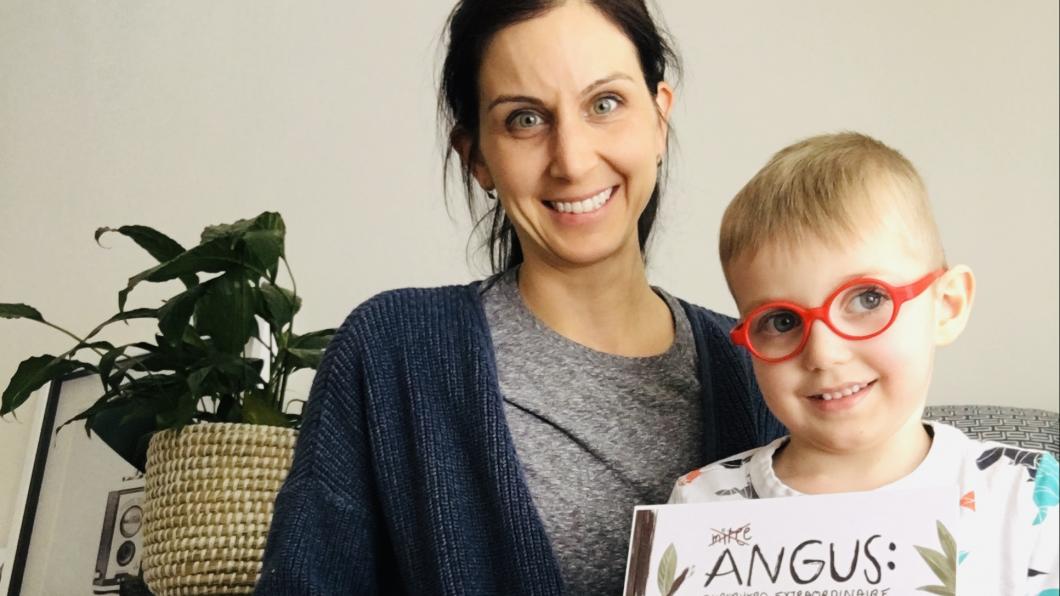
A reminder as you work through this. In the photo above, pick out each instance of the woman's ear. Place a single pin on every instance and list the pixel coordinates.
(664, 102)
(954, 295)
(472, 159)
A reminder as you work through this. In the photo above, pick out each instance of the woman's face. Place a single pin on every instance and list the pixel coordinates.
(569, 135)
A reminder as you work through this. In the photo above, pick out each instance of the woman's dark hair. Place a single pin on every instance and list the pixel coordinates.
(470, 27)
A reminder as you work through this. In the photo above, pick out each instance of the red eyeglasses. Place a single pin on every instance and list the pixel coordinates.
(859, 309)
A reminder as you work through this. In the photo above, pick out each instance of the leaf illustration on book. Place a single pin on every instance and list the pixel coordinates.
(943, 564)
(667, 568)
(680, 580)
(1046, 487)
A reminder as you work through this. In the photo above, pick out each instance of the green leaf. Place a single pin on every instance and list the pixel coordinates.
(197, 379)
(667, 569)
(263, 248)
(259, 241)
(949, 545)
(316, 340)
(106, 365)
(178, 412)
(269, 220)
(20, 311)
(229, 409)
(223, 248)
(230, 232)
(942, 568)
(124, 427)
(257, 409)
(174, 316)
(158, 245)
(299, 358)
(943, 590)
(32, 374)
(92, 345)
(234, 374)
(213, 257)
(280, 305)
(136, 313)
(225, 312)
(306, 351)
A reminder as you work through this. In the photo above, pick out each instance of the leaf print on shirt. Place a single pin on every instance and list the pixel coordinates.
(1028, 459)
(689, 477)
(747, 492)
(1046, 487)
(734, 464)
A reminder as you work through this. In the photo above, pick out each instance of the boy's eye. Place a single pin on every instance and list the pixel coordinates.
(870, 300)
(605, 105)
(866, 299)
(777, 322)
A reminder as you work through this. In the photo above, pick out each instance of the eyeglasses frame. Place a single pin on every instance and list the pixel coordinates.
(740, 334)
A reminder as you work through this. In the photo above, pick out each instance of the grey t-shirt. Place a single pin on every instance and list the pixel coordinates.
(596, 433)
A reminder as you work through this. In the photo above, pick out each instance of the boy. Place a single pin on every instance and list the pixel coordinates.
(834, 260)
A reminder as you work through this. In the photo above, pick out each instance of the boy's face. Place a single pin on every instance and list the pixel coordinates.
(893, 370)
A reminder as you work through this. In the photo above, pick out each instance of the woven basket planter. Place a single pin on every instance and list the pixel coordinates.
(208, 496)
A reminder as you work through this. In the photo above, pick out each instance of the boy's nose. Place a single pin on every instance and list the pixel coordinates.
(573, 151)
(824, 349)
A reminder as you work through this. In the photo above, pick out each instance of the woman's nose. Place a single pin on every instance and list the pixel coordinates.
(824, 349)
(573, 150)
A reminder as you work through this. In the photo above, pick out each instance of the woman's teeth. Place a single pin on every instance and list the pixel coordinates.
(586, 206)
(846, 392)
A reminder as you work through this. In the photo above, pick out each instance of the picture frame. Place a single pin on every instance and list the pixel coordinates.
(79, 528)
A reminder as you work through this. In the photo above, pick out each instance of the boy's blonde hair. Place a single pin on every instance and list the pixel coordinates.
(829, 188)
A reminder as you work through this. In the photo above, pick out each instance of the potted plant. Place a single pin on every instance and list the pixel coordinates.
(200, 407)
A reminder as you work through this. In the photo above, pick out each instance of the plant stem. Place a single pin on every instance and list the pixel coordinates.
(294, 284)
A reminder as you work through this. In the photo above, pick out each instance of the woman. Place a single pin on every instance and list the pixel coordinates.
(494, 438)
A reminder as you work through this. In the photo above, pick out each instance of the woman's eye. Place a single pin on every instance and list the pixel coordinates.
(524, 120)
(605, 105)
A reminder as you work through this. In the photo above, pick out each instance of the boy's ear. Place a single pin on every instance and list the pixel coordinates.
(462, 143)
(954, 295)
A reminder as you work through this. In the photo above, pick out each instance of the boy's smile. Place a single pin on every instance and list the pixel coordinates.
(843, 397)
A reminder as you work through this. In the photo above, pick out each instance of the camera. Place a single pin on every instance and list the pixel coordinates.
(120, 542)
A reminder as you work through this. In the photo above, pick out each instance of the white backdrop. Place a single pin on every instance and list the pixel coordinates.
(182, 114)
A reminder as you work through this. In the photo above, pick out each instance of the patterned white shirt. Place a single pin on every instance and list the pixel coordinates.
(1008, 538)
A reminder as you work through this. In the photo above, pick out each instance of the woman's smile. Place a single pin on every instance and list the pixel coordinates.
(584, 205)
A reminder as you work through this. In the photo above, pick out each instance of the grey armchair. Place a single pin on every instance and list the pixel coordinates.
(1021, 427)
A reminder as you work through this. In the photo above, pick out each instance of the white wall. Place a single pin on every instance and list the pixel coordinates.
(182, 114)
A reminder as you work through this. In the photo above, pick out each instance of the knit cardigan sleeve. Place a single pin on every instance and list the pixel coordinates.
(735, 414)
(325, 536)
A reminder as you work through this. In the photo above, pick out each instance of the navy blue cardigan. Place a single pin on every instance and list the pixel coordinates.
(405, 479)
